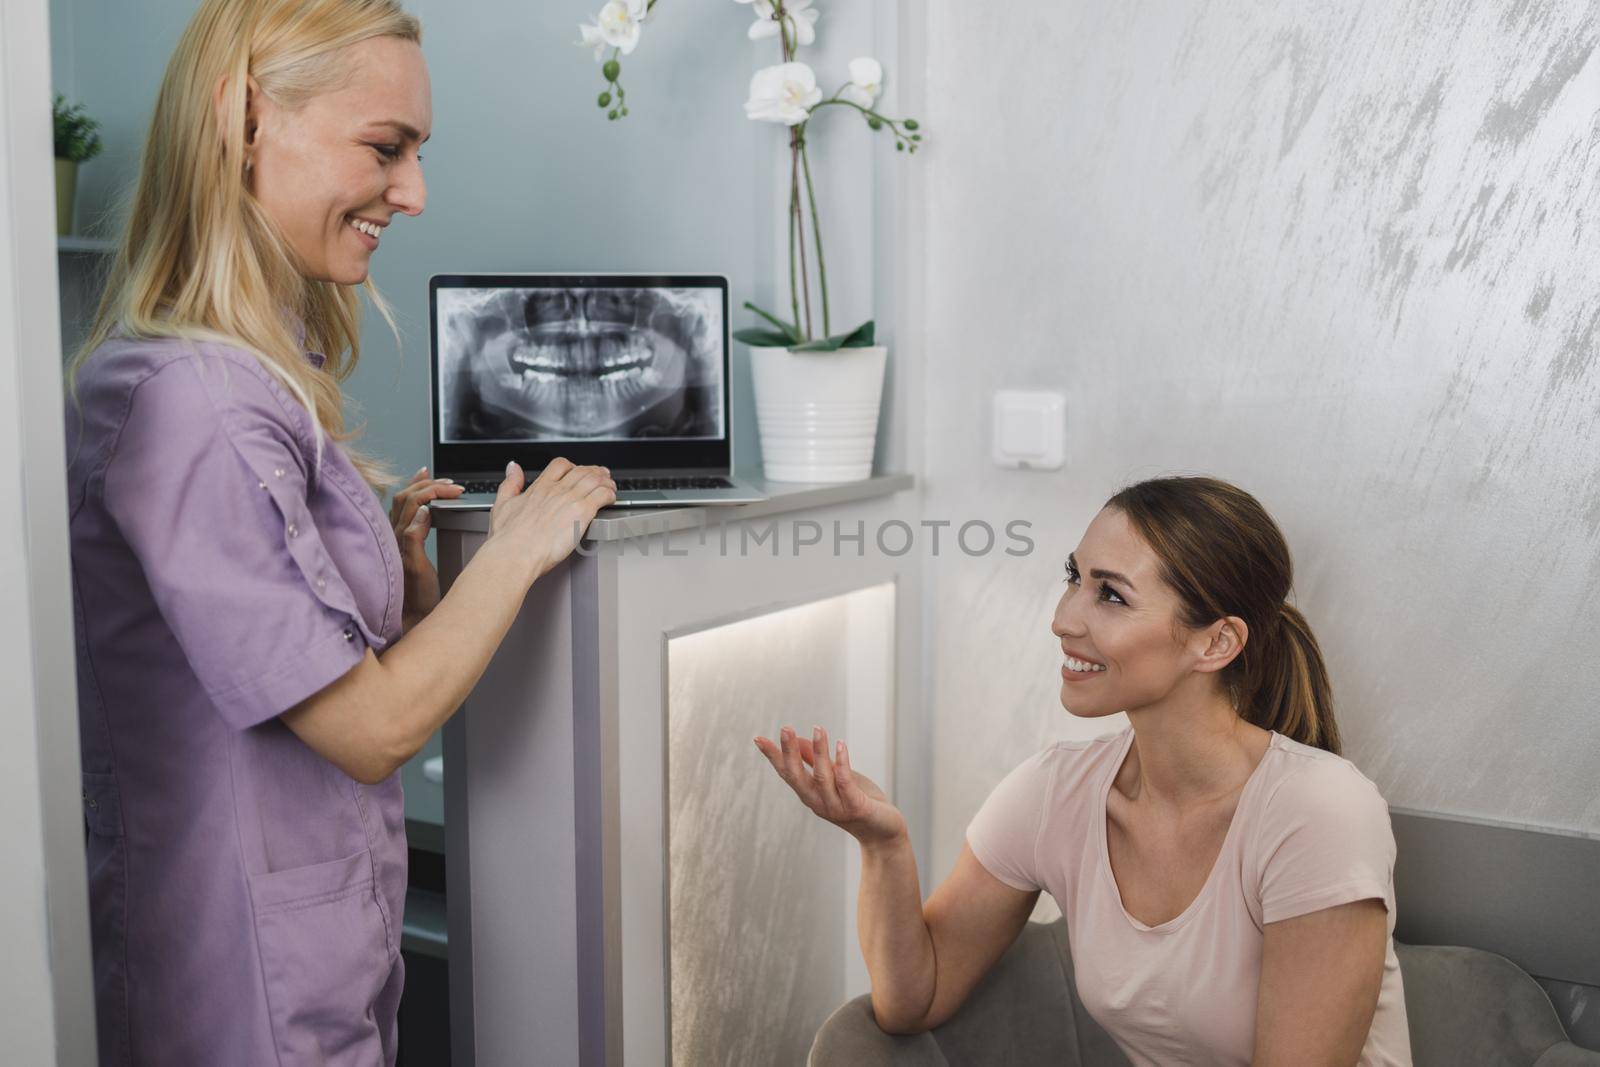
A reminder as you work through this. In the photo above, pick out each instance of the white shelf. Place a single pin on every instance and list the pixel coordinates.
(617, 524)
(85, 245)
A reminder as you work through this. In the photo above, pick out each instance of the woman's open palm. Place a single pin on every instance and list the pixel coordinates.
(830, 788)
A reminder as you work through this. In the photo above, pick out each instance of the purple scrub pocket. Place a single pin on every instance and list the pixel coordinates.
(325, 958)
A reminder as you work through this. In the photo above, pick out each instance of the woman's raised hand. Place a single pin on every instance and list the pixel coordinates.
(544, 523)
(846, 798)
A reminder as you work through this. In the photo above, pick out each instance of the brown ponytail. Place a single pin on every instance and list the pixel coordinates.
(1223, 555)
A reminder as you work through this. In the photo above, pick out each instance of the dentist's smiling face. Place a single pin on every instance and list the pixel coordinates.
(1119, 615)
(335, 171)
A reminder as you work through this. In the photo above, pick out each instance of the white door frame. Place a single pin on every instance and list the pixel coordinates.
(46, 987)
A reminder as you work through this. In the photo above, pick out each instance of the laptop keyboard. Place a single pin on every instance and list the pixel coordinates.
(701, 482)
(627, 484)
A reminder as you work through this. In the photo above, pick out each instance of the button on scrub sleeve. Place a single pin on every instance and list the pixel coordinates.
(208, 484)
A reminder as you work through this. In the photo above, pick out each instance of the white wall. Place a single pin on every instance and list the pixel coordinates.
(1340, 254)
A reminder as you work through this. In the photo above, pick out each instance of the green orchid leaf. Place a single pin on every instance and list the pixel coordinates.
(860, 337)
(763, 338)
(791, 332)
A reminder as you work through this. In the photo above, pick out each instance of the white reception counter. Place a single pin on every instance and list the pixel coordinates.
(627, 881)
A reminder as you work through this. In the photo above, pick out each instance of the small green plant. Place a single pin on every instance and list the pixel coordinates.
(77, 135)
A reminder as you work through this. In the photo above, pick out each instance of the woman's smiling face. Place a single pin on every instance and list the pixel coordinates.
(1119, 614)
(346, 160)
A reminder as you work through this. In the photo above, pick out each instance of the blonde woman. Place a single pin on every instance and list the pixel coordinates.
(260, 646)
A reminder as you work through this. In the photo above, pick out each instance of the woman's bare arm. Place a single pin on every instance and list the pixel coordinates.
(923, 959)
(1321, 974)
(379, 714)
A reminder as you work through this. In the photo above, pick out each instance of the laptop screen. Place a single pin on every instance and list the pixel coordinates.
(580, 364)
(600, 368)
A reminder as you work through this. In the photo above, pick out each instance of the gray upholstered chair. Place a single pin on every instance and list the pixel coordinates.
(1465, 1006)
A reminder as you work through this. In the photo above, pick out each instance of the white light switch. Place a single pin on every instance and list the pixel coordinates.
(1030, 429)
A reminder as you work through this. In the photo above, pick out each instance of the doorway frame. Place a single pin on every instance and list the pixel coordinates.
(47, 981)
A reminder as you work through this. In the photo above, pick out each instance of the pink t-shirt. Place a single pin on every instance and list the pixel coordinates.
(1310, 832)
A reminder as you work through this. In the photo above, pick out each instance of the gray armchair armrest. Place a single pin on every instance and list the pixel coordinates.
(851, 1036)
(1024, 1012)
(1465, 1005)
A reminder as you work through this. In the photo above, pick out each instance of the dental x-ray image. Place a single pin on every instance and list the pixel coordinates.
(592, 364)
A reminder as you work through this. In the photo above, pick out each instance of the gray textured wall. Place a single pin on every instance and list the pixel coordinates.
(762, 894)
(1339, 253)
(756, 880)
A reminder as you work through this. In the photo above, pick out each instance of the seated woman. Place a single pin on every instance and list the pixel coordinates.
(1226, 876)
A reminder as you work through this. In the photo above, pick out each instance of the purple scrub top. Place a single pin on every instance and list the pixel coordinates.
(246, 895)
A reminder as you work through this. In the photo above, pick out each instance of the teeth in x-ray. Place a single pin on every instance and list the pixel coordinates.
(574, 390)
(588, 362)
(584, 353)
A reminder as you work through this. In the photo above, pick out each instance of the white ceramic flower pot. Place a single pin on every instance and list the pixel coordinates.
(817, 412)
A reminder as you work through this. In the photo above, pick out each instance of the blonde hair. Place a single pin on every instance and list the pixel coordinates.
(198, 257)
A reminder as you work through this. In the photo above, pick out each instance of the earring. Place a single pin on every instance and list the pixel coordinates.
(248, 163)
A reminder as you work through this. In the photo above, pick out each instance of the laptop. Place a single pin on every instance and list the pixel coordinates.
(628, 371)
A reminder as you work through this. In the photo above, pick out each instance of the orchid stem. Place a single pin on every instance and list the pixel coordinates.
(799, 222)
(794, 292)
(794, 213)
(816, 234)
(796, 219)
(893, 124)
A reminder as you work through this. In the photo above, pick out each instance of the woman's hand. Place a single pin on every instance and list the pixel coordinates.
(851, 801)
(409, 514)
(543, 524)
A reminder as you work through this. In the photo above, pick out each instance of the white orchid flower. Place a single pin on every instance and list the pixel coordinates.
(799, 14)
(866, 82)
(593, 38)
(785, 93)
(618, 23)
